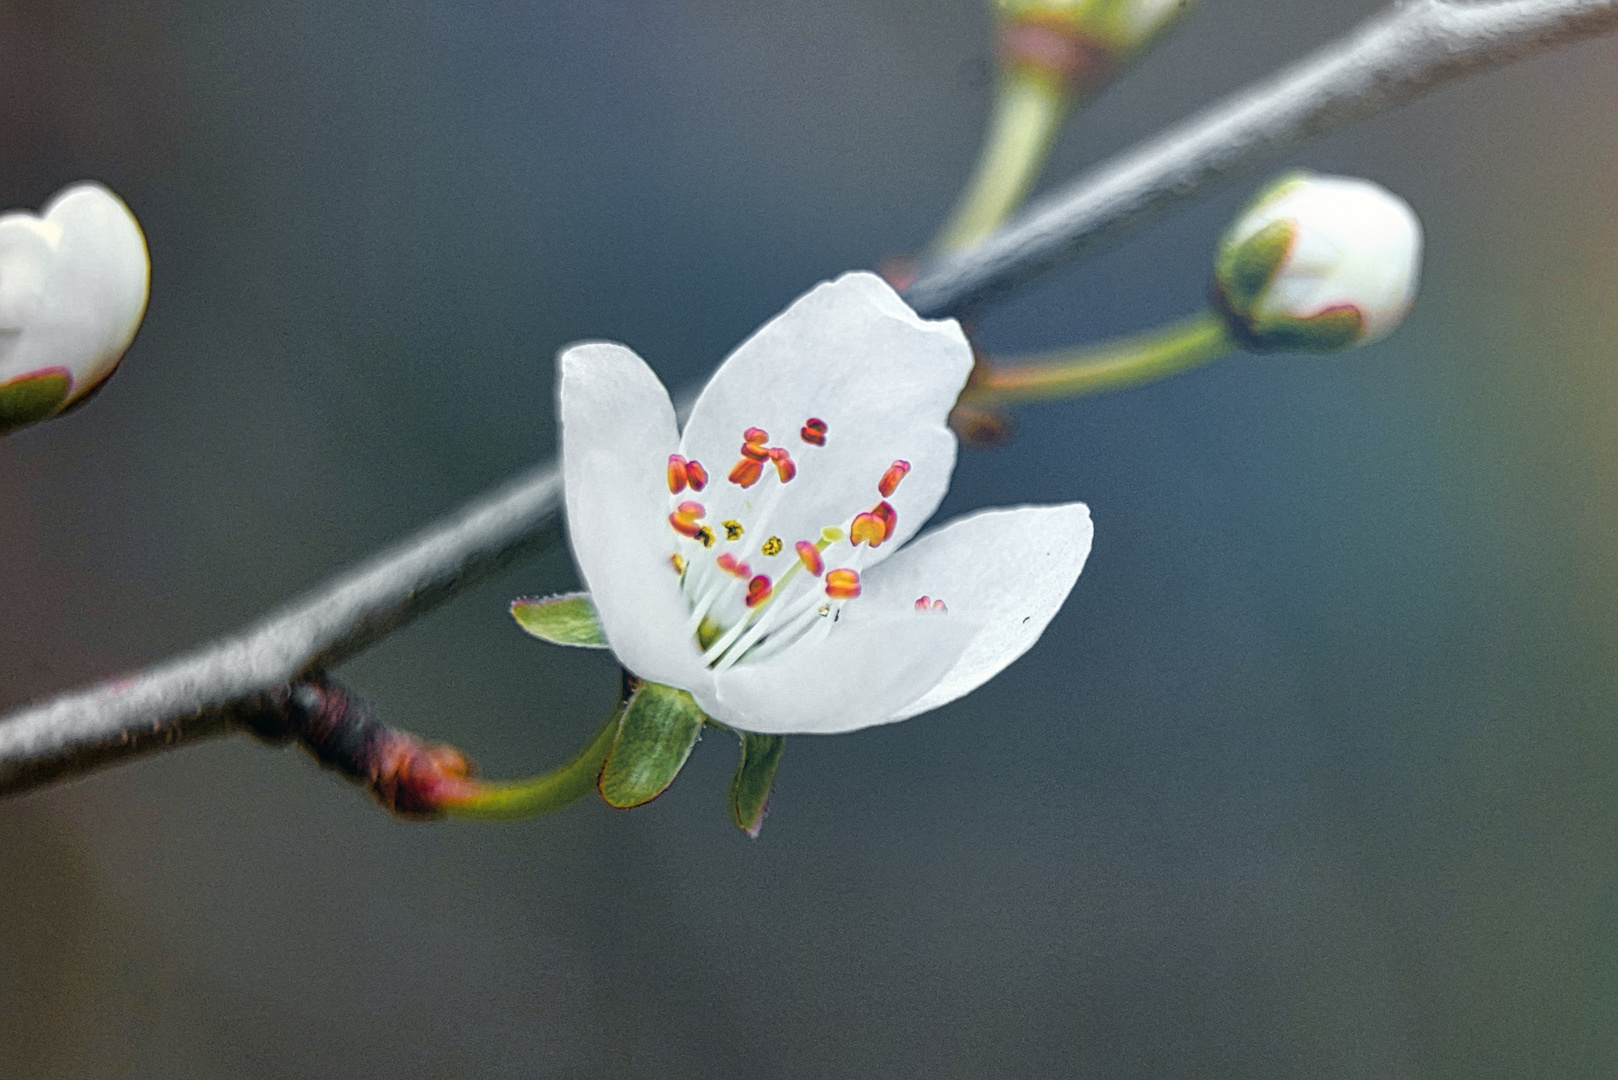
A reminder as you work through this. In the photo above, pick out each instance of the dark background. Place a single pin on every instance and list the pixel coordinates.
(1316, 775)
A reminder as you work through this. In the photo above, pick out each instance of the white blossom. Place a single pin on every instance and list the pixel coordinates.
(757, 559)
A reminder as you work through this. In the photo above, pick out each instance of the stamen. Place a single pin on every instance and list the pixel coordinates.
(746, 473)
(830, 535)
(813, 431)
(756, 436)
(691, 511)
(686, 526)
(889, 518)
(758, 591)
(699, 612)
(938, 606)
(809, 555)
(696, 475)
(772, 546)
(924, 603)
(890, 479)
(842, 584)
(678, 477)
(733, 530)
(775, 628)
(757, 453)
(784, 468)
(704, 536)
(867, 529)
(731, 565)
(678, 562)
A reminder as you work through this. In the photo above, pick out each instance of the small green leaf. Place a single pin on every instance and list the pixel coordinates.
(755, 772)
(29, 399)
(659, 728)
(569, 619)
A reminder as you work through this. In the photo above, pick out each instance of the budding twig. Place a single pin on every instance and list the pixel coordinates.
(229, 682)
(1403, 52)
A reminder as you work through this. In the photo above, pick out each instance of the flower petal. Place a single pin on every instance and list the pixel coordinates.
(850, 353)
(1007, 571)
(618, 430)
(862, 674)
(73, 286)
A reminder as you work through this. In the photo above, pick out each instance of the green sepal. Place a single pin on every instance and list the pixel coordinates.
(568, 619)
(655, 737)
(1333, 329)
(31, 398)
(1245, 270)
(755, 772)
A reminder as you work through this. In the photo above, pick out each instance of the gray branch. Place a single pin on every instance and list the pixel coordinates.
(229, 682)
(1401, 53)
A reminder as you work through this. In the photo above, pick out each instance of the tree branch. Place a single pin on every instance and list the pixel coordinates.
(245, 679)
(1397, 55)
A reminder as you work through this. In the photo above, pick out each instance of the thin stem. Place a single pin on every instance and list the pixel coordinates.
(1028, 112)
(1129, 362)
(539, 794)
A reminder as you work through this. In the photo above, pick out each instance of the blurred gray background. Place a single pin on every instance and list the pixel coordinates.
(1316, 775)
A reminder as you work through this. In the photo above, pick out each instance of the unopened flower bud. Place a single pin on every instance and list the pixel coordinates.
(73, 283)
(1082, 35)
(1316, 264)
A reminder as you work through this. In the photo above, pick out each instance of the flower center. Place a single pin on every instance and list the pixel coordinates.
(747, 600)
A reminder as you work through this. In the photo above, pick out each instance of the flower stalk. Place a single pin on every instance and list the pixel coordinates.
(409, 776)
(1133, 361)
(1052, 55)
(1028, 112)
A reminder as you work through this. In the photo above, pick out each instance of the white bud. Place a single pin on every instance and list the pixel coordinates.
(1318, 263)
(73, 287)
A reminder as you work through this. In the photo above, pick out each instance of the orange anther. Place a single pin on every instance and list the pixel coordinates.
(784, 468)
(731, 565)
(890, 479)
(746, 472)
(756, 436)
(677, 474)
(696, 475)
(755, 451)
(809, 555)
(867, 529)
(686, 526)
(924, 603)
(677, 562)
(813, 431)
(842, 584)
(758, 590)
(691, 510)
(889, 518)
(938, 606)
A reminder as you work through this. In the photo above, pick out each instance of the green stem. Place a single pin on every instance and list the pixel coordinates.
(1028, 111)
(1129, 362)
(540, 794)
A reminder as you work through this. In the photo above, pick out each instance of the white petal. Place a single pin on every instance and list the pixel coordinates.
(618, 430)
(861, 675)
(851, 353)
(1007, 571)
(73, 286)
